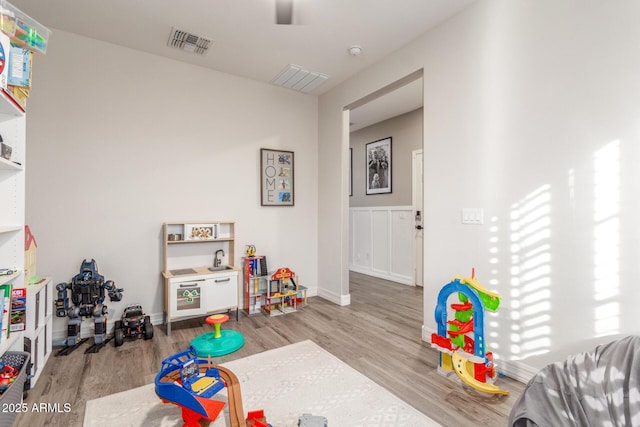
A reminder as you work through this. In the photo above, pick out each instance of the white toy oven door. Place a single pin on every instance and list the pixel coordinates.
(186, 298)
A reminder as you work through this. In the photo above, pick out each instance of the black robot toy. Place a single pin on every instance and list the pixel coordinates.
(88, 290)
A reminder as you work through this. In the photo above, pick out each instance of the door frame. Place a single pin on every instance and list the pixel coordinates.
(345, 219)
(417, 198)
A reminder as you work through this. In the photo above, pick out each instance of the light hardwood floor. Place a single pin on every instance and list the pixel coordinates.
(379, 334)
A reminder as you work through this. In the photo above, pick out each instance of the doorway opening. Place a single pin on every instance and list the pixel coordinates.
(383, 239)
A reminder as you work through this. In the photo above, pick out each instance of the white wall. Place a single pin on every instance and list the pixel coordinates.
(119, 141)
(530, 113)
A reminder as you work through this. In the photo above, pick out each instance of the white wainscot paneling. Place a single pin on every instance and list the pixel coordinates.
(361, 244)
(381, 242)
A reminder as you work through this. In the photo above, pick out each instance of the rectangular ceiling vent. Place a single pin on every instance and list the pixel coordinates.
(297, 78)
(186, 41)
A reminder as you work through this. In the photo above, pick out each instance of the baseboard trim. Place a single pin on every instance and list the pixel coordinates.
(516, 370)
(341, 300)
(403, 280)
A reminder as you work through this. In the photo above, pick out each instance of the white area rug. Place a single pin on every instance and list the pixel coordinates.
(285, 382)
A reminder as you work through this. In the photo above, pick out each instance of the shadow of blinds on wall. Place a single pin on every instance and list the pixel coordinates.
(531, 274)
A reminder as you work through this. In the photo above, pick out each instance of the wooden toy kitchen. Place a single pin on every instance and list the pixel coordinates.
(199, 273)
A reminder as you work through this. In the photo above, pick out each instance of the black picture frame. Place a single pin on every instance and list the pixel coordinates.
(378, 160)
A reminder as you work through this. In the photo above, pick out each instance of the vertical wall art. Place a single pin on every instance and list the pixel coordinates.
(276, 177)
(379, 166)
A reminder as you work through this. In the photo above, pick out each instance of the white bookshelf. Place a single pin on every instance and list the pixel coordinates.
(39, 324)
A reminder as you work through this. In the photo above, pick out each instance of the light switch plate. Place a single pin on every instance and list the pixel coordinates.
(472, 216)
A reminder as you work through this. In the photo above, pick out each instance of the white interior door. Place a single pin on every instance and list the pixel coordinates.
(418, 213)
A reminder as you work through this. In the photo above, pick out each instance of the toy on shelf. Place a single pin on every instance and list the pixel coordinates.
(251, 251)
(88, 291)
(461, 341)
(23, 30)
(30, 256)
(18, 309)
(134, 323)
(219, 342)
(192, 383)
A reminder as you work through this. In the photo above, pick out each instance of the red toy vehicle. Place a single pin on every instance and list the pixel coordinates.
(133, 323)
(7, 375)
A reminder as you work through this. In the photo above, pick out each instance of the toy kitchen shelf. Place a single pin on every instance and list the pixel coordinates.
(199, 273)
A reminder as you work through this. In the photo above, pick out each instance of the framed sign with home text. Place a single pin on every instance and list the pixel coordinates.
(276, 177)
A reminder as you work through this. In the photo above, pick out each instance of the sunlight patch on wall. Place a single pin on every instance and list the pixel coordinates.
(530, 273)
(571, 186)
(606, 237)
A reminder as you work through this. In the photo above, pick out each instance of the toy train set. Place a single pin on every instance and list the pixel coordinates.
(192, 383)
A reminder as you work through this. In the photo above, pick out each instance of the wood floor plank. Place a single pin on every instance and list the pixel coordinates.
(379, 334)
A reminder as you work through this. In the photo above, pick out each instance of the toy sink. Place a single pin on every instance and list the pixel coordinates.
(221, 268)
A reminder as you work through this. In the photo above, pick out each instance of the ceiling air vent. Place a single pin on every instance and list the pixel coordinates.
(186, 41)
(297, 78)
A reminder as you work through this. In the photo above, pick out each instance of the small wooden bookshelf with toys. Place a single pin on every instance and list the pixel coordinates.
(271, 293)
